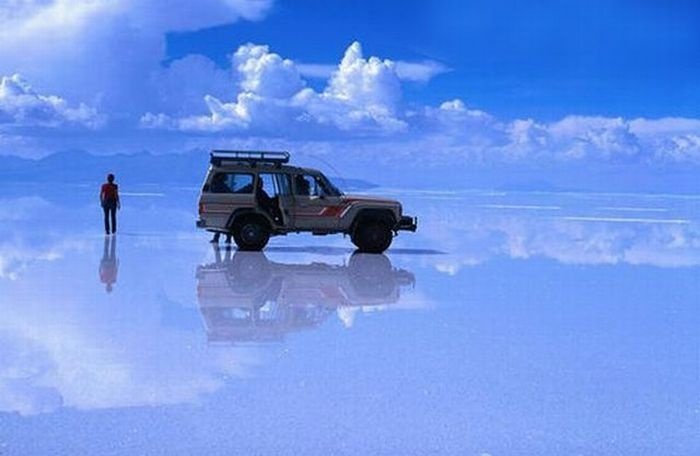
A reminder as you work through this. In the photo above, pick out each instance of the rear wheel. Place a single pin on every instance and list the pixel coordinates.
(372, 236)
(251, 234)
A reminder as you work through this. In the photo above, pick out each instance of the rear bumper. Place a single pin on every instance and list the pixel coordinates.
(407, 224)
(201, 223)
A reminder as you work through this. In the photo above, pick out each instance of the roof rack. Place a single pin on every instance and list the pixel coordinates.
(250, 157)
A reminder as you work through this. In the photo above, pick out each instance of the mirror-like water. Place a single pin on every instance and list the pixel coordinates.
(511, 323)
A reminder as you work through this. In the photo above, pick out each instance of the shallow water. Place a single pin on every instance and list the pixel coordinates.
(511, 323)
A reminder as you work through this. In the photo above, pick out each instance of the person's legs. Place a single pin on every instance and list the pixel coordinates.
(113, 213)
(113, 249)
(215, 239)
(106, 211)
(217, 253)
(228, 238)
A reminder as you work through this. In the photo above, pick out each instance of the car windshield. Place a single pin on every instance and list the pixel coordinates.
(328, 187)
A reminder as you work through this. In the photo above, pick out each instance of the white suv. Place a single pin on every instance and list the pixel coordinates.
(254, 195)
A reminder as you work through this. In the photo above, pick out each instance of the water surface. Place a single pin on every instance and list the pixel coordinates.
(511, 323)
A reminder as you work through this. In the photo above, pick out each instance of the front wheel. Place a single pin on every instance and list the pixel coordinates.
(372, 236)
(251, 234)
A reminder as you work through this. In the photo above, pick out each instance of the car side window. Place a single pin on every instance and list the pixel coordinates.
(306, 185)
(268, 184)
(231, 183)
(284, 183)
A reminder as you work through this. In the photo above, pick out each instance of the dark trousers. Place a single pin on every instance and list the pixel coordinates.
(110, 210)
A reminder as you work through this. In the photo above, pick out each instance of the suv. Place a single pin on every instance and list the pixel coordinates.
(255, 195)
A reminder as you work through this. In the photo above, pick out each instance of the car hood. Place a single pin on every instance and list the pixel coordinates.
(368, 199)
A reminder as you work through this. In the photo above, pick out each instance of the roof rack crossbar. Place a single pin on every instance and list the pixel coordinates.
(251, 157)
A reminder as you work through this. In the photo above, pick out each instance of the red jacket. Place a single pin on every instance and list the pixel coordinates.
(110, 192)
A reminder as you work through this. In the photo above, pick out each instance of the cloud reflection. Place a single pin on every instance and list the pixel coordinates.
(63, 344)
(576, 236)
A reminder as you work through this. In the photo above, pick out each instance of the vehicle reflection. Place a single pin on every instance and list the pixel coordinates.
(246, 297)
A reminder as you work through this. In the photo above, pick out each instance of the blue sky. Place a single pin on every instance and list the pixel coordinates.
(503, 81)
(542, 58)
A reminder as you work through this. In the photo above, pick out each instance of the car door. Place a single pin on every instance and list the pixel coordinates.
(316, 208)
(278, 186)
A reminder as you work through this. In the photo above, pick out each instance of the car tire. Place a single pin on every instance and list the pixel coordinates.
(372, 236)
(251, 234)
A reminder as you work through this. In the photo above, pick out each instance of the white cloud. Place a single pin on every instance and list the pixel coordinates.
(360, 81)
(181, 85)
(111, 51)
(63, 18)
(475, 133)
(679, 148)
(108, 54)
(581, 137)
(21, 105)
(673, 139)
(316, 70)
(422, 71)
(665, 125)
(363, 97)
(266, 74)
(361, 94)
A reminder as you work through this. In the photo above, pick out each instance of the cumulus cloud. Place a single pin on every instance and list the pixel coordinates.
(181, 84)
(97, 46)
(475, 133)
(422, 71)
(361, 94)
(21, 105)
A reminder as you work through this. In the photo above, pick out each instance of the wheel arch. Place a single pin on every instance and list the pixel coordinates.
(373, 214)
(242, 213)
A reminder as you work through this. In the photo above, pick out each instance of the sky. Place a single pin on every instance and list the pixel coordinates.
(578, 82)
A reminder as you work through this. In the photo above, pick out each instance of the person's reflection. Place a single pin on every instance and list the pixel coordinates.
(109, 264)
(217, 254)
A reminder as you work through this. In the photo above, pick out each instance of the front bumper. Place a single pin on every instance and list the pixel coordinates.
(407, 224)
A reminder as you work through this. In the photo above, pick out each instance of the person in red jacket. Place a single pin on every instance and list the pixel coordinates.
(109, 198)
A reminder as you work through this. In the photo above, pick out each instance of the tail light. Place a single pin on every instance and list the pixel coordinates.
(201, 208)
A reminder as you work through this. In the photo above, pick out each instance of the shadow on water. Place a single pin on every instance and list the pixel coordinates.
(243, 296)
(330, 250)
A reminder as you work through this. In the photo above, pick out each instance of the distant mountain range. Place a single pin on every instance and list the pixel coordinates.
(79, 167)
(187, 170)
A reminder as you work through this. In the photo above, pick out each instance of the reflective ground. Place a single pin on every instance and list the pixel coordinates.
(511, 323)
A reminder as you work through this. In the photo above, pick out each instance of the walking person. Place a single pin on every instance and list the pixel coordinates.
(109, 198)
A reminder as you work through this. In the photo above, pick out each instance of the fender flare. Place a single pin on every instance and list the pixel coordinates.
(384, 215)
(238, 214)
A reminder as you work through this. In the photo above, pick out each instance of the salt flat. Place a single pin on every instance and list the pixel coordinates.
(511, 323)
